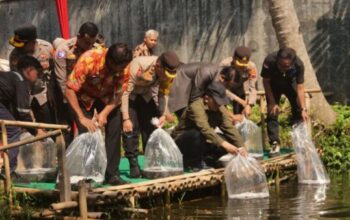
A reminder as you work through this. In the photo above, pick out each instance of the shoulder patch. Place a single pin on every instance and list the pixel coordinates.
(61, 54)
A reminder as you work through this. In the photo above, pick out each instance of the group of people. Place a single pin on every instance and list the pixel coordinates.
(81, 82)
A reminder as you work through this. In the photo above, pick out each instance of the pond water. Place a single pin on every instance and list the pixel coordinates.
(290, 201)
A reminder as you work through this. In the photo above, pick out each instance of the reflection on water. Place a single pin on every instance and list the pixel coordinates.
(290, 201)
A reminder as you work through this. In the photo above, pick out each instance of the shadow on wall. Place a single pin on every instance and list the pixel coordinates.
(330, 51)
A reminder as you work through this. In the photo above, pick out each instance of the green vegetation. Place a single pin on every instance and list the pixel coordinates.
(334, 141)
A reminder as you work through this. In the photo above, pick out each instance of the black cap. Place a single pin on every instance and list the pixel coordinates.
(218, 91)
(242, 56)
(23, 35)
(170, 61)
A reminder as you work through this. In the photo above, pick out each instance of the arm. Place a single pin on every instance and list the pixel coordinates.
(74, 83)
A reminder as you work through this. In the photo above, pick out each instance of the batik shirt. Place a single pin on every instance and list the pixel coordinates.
(91, 79)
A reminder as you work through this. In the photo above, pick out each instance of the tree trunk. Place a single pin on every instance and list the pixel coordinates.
(286, 24)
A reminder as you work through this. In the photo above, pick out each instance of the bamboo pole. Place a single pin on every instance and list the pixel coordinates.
(157, 181)
(82, 200)
(6, 160)
(30, 140)
(63, 175)
(261, 92)
(33, 124)
(63, 205)
(262, 118)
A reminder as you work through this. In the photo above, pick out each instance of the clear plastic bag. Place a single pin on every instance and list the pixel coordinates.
(37, 161)
(310, 166)
(245, 178)
(162, 156)
(252, 138)
(86, 157)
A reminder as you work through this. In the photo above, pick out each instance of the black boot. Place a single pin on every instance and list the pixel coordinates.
(134, 168)
(115, 180)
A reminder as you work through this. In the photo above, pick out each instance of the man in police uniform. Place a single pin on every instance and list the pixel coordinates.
(26, 43)
(245, 79)
(67, 53)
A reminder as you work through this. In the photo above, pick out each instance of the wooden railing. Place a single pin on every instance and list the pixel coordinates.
(64, 182)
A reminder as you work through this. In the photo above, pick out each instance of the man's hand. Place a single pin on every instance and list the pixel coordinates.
(88, 124)
(127, 126)
(236, 118)
(169, 117)
(242, 151)
(162, 120)
(273, 109)
(230, 148)
(247, 110)
(304, 115)
(102, 120)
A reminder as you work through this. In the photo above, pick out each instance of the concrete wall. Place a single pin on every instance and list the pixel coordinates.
(201, 30)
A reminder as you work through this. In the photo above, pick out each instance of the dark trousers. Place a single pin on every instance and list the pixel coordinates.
(65, 116)
(43, 113)
(140, 113)
(195, 149)
(272, 120)
(112, 136)
(13, 135)
(238, 108)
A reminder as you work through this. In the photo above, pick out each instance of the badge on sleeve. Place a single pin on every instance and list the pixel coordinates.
(61, 54)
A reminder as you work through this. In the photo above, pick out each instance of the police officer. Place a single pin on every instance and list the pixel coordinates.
(67, 53)
(245, 79)
(15, 87)
(26, 43)
(283, 73)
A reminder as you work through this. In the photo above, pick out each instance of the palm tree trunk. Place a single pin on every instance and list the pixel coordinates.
(286, 25)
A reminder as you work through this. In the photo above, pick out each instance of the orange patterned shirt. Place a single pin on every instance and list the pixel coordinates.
(91, 80)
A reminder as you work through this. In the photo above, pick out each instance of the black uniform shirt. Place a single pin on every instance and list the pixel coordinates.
(15, 95)
(295, 75)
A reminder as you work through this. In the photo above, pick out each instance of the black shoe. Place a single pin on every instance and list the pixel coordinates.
(116, 180)
(198, 167)
(134, 168)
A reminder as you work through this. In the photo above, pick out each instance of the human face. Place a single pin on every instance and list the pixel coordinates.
(238, 68)
(31, 74)
(85, 42)
(284, 64)
(211, 103)
(29, 47)
(151, 41)
(159, 70)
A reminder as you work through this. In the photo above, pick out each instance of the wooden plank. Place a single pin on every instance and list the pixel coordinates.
(30, 140)
(262, 118)
(8, 182)
(63, 175)
(33, 124)
(82, 200)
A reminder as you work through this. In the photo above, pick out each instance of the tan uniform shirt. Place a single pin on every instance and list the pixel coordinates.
(142, 80)
(43, 53)
(66, 56)
(142, 50)
(250, 77)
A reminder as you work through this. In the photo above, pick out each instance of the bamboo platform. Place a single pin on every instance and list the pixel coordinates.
(277, 169)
